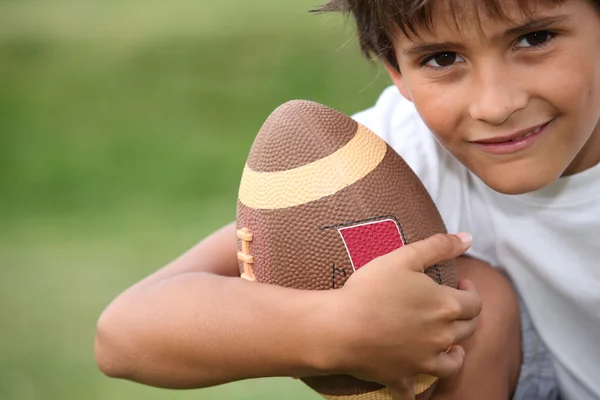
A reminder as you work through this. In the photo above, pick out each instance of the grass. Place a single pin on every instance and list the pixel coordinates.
(124, 127)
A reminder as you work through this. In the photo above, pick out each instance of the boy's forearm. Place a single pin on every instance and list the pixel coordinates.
(197, 329)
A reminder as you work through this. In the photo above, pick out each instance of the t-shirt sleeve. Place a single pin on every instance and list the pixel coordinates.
(396, 121)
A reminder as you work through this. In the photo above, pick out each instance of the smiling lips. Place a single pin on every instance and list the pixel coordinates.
(514, 142)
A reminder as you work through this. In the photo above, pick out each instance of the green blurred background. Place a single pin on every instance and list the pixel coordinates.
(124, 127)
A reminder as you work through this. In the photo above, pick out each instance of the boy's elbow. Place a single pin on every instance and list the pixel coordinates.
(110, 355)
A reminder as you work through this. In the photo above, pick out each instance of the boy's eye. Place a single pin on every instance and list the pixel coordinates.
(441, 60)
(534, 39)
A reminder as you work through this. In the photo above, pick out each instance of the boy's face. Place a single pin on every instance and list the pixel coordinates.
(517, 105)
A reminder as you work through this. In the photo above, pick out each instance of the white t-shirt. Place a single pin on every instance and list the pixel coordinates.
(548, 241)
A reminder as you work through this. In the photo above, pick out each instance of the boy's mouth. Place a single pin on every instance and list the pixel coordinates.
(514, 136)
(515, 141)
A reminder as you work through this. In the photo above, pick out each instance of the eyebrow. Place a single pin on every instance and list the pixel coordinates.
(530, 26)
(536, 25)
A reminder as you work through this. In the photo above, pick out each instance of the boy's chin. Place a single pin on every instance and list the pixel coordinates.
(518, 182)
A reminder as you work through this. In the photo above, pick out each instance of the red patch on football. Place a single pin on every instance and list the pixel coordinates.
(367, 241)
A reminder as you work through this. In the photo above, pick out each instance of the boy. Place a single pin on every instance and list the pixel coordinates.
(495, 107)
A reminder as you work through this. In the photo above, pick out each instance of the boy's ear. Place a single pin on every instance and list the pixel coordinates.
(396, 77)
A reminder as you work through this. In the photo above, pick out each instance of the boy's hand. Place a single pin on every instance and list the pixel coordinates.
(395, 322)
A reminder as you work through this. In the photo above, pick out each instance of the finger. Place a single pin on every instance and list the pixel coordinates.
(438, 248)
(464, 329)
(469, 301)
(450, 363)
(405, 392)
(466, 284)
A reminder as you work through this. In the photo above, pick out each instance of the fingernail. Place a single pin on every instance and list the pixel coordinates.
(465, 237)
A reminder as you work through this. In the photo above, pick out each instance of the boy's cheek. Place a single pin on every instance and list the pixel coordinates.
(441, 107)
(443, 123)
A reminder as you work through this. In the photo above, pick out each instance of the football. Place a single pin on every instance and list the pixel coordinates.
(320, 197)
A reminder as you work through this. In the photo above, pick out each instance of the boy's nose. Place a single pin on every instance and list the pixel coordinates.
(495, 96)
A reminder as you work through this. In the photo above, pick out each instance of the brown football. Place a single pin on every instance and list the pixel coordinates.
(320, 197)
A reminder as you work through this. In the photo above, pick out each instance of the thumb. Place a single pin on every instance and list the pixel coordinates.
(403, 392)
(438, 248)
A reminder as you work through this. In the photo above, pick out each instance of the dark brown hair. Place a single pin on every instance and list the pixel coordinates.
(377, 21)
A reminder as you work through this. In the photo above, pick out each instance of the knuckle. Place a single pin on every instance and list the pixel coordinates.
(443, 242)
(451, 309)
(393, 257)
(408, 252)
(444, 341)
(429, 366)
